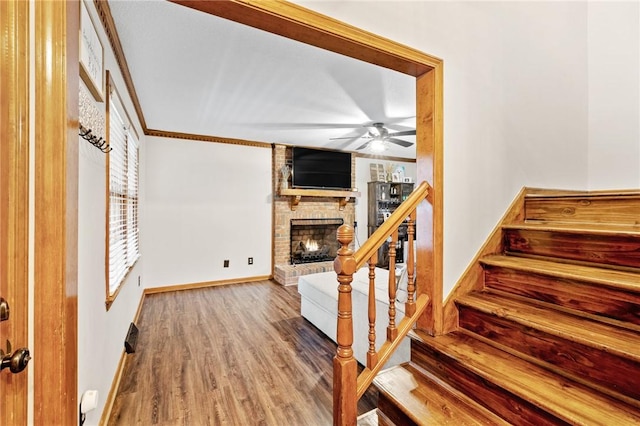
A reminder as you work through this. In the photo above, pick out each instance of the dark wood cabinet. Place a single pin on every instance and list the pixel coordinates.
(384, 198)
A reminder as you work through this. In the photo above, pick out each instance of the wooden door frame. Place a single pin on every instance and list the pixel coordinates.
(55, 254)
(14, 235)
(56, 169)
(301, 24)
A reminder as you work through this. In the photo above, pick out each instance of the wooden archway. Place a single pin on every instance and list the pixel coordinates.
(301, 24)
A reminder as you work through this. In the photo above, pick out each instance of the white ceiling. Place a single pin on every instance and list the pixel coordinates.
(200, 74)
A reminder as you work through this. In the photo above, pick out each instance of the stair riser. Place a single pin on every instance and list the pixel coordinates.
(500, 401)
(393, 413)
(613, 250)
(604, 369)
(573, 294)
(619, 209)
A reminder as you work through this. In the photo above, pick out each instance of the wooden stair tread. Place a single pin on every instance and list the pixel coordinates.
(427, 400)
(564, 398)
(628, 281)
(602, 336)
(577, 228)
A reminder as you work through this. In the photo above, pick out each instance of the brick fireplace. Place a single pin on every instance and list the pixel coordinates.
(318, 209)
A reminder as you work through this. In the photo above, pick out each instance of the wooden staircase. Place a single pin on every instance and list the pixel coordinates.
(550, 336)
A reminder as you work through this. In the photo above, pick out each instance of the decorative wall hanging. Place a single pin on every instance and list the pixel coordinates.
(92, 123)
(91, 55)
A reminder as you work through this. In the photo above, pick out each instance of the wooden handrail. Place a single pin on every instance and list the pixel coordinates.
(348, 387)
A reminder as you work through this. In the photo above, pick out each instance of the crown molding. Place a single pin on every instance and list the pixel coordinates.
(205, 138)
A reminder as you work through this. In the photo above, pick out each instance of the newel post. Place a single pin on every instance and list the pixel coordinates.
(345, 367)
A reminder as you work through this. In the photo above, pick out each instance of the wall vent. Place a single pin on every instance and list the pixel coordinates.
(131, 339)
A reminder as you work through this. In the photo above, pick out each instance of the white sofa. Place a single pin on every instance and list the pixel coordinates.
(319, 305)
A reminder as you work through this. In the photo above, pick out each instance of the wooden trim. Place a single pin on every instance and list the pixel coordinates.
(258, 144)
(205, 284)
(107, 162)
(274, 191)
(430, 216)
(472, 278)
(56, 212)
(205, 138)
(298, 23)
(14, 220)
(113, 391)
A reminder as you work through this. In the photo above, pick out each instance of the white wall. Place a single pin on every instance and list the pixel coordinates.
(101, 333)
(362, 177)
(206, 202)
(516, 99)
(614, 94)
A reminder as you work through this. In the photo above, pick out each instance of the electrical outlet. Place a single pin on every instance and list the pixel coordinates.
(251, 261)
(226, 263)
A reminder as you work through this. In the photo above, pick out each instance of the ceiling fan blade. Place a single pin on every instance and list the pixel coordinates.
(403, 133)
(364, 145)
(400, 142)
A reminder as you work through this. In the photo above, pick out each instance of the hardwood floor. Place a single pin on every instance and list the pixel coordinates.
(231, 355)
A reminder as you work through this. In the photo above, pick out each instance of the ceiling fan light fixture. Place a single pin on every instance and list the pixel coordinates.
(378, 145)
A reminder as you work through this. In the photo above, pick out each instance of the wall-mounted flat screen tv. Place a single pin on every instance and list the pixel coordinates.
(321, 169)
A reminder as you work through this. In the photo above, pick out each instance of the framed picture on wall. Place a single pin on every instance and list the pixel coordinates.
(91, 55)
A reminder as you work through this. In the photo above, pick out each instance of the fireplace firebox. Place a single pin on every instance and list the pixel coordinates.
(314, 240)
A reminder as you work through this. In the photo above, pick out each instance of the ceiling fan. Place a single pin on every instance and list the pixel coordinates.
(378, 135)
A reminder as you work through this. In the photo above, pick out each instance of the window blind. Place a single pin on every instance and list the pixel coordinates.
(123, 200)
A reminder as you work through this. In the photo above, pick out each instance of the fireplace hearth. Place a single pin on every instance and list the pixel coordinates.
(314, 240)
